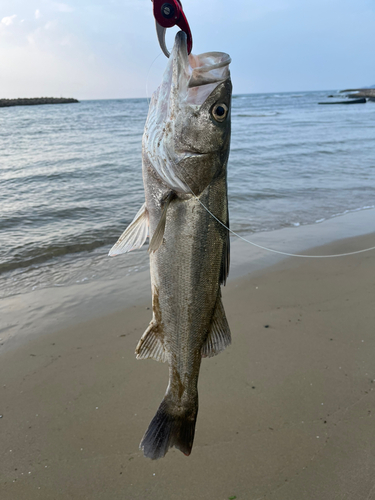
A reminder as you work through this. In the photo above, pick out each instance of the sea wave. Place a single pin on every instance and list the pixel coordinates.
(257, 115)
(68, 193)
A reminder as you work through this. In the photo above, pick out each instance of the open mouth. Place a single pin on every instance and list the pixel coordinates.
(210, 67)
(196, 76)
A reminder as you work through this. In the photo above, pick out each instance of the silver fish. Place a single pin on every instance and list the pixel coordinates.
(185, 152)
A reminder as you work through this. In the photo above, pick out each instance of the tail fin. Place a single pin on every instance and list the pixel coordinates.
(170, 428)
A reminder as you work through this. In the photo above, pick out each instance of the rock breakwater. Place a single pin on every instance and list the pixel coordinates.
(33, 101)
(368, 93)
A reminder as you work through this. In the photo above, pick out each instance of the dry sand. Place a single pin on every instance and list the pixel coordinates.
(286, 413)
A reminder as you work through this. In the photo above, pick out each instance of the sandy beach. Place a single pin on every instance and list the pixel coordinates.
(286, 413)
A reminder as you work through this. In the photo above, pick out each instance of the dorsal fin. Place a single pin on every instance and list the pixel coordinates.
(225, 259)
(219, 336)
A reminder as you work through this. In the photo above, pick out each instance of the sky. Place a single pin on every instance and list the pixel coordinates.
(103, 49)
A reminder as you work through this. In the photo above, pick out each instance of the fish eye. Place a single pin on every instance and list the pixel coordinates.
(220, 112)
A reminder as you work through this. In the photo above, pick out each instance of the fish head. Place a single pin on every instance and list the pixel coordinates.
(187, 133)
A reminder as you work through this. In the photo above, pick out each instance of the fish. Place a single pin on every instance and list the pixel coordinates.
(185, 149)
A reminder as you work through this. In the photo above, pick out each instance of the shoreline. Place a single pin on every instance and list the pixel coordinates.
(53, 308)
(286, 412)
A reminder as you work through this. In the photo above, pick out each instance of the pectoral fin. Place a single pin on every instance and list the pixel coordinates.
(157, 238)
(151, 344)
(134, 235)
(219, 336)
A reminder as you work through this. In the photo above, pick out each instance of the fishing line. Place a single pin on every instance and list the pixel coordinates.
(148, 75)
(279, 252)
(270, 249)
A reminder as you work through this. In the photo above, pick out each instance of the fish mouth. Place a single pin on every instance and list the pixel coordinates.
(189, 154)
(209, 68)
(189, 79)
(194, 77)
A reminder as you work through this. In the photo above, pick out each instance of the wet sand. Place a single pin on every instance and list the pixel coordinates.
(286, 413)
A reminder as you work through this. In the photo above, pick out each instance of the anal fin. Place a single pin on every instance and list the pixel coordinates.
(134, 235)
(219, 336)
(151, 344)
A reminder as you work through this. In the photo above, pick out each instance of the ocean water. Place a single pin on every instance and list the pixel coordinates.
(71, 180)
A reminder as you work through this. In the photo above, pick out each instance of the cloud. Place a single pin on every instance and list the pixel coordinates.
(67, 41)
(32, 38)
(51, 25)
(8, 20)
(37, 14)
(63, 7)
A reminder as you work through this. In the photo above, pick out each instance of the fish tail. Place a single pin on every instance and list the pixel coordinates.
(170, 427)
